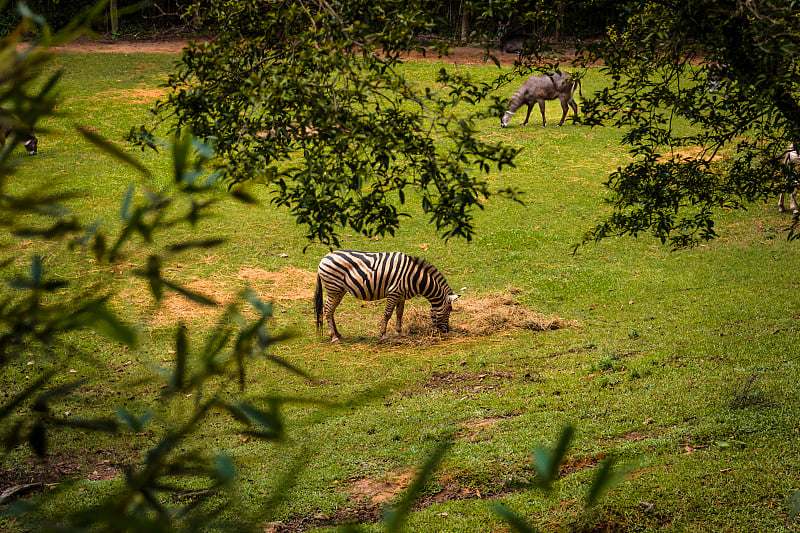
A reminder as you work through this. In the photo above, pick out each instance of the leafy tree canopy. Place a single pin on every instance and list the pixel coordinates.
(691, 81)
(306, 96)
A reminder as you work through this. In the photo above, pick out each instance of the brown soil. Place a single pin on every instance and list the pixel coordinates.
(459, 55)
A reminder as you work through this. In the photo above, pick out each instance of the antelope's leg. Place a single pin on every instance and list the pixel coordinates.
(541, 109)
(400, 305)
(780, 203)
(793, 201)
(528, 114)
(564, 110)
(331, 302)
(574, 107)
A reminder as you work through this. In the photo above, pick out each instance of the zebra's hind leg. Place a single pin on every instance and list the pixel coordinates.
(331, 302)
(391, 302)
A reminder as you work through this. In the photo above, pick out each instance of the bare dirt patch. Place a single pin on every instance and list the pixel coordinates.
(287, 285)
(458, 55)
(47, 472)
(379, 492)
(473, 430)
(140, 96)
(472, 317)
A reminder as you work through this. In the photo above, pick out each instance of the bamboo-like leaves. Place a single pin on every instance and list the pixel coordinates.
(396, 516)
(517, 523)
(261, 423)
(111, 149)
(794, 505)
(605, 478)
(548, 462)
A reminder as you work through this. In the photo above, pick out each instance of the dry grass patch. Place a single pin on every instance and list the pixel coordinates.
(289, 284)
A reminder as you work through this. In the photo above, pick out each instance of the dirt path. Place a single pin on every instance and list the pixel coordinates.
(459, 55)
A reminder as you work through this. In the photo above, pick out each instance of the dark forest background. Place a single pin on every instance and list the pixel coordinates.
(479, 20)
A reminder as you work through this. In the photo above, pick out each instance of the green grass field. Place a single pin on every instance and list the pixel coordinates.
(682, 363)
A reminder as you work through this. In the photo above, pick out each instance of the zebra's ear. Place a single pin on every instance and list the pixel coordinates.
(453, 297)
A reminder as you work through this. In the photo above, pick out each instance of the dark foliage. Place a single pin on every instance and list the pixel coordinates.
(305, 97)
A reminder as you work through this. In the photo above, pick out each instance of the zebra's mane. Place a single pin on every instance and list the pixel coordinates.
(434, 272)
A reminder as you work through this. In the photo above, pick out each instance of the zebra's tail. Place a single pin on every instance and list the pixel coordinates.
(318, 304)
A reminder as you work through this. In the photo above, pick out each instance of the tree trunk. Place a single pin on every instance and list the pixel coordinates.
(114, 15)
(464, 24)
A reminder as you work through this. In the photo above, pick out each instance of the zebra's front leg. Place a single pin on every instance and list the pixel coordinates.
(331, 302)
(391, 302)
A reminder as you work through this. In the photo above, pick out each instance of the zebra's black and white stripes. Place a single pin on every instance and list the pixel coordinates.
(374, 276)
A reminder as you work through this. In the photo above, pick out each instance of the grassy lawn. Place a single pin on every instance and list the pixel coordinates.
(682, 364)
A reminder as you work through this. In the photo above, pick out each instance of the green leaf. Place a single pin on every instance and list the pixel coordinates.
(548, 463)
(266, 424)
(606, 477)
(125, 207)
(153, 274)
(112, 150)
(794, 510)
(516, 522)
(17, 400)
(194, 296)
(395, 517)
(133, 422)
(224, 470)
(38, 438)
(176, 380)
(107, 322)
(36, 270)
(106, 425)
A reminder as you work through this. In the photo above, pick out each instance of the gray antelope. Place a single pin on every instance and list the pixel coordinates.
(10, 125)
(792, 161)
(537, 89)
(374, 276)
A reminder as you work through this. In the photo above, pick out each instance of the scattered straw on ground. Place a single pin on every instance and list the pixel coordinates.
(477, 317)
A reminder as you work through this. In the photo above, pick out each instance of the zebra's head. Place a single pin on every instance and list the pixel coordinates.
(441, 315)
(32, 144)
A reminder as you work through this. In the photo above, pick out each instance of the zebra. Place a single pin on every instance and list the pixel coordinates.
(374, 276)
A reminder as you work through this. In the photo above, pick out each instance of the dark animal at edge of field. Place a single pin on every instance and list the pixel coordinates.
(792, 161)
(510, 43)
(538, 88)
(374, 276)
(10, 125)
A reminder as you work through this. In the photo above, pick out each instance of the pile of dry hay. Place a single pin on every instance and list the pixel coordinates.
(477, 317)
